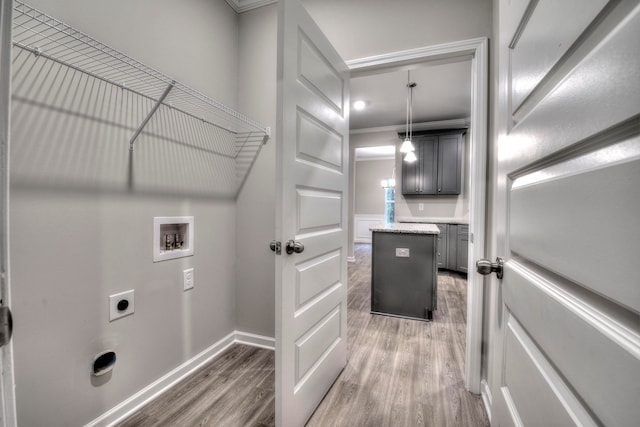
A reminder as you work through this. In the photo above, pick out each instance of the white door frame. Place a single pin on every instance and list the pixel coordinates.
(7, 392)
(478, 50)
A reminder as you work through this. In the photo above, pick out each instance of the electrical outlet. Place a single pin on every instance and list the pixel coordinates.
(420, 206)
(187, 279)
(402, 252)
(121, 305)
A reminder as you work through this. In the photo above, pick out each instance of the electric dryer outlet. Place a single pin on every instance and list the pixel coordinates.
(121, 305)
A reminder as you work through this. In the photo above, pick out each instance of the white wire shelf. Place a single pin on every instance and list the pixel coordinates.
(41, 36)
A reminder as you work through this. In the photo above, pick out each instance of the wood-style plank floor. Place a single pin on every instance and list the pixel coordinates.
(400, 372)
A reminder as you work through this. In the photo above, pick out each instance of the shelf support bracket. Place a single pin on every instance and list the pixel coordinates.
(151, 113)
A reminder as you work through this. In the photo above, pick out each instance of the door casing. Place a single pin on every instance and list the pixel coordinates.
(7, 402)
(478, 50)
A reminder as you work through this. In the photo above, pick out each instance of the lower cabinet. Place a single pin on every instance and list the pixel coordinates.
(453, 245)
(463, 249)
(441, 255)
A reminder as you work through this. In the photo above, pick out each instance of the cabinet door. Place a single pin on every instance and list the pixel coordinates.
(411, 174)
(428, 158)
(441, 254)
(449, 164)
(420, 177)
(462, 249)
(452, 247)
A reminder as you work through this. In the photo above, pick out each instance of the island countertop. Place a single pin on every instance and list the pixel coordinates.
(406, 228)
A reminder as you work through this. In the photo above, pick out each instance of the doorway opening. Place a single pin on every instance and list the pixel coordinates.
(372, 165)
(477, 51)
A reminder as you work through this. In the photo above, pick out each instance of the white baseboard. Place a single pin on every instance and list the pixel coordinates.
(255, 340)
(155, 389)
(485, 392)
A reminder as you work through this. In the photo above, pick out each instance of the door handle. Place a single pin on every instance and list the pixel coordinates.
(293, 246)
(484, 267)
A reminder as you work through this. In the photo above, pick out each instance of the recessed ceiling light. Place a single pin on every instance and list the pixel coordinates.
(359, 105)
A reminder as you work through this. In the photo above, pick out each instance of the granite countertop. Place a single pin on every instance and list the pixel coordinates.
(427, 220)
(404, 228)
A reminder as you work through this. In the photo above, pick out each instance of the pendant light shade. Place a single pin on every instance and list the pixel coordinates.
(410, 157)
(407, 145)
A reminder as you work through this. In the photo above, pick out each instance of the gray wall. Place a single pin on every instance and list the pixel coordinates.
(256, 203)
(79, 234)
(368, 194)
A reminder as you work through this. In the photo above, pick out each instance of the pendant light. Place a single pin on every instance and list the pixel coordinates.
(410, 157)
(407, 145)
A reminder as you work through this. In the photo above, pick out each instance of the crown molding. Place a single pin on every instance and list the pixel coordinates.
(440, 124)
(245, 5)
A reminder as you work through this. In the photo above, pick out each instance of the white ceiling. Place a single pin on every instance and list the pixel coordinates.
(443, 92)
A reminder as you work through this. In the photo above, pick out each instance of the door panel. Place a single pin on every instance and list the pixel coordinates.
(311, 208)
(567, 203)
(575, 243)
(319, 144)
(590, 343)
(529, 376)
(316, 275)
(535, 49)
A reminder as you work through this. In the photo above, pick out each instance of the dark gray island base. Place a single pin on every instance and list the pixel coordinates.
(404, 270)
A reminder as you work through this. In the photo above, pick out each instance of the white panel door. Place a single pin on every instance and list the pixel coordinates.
(568, 213)
(312, 156)
(7, 394)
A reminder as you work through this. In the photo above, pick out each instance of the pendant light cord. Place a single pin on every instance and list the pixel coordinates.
(406, 129)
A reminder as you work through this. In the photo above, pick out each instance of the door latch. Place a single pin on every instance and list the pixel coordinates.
(484, 267)
(276, 247)
(6, 325)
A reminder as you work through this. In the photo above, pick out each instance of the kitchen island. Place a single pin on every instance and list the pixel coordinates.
(403, 270)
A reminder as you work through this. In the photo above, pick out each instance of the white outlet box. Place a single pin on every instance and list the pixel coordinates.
(187, 279)
(121, 305)
(420, 206)
(402, 252)
(165, 232)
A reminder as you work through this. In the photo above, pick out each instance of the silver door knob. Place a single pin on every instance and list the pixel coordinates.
(293, 246)
(484, 267)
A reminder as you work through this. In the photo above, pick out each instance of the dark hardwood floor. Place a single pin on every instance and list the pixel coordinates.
(400, 372)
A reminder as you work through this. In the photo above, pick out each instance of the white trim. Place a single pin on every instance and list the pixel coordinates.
(126, 408)
(245, 5)
(8, 413)
(371, 219)
(440, 124)
(486, 397)
(478, 50)
(412, 56)
(369, 159)
(255, 340)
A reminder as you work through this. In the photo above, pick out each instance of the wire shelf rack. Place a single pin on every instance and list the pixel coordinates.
(43, 36)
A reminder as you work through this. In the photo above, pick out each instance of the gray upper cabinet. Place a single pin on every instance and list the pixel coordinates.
(438, 169)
